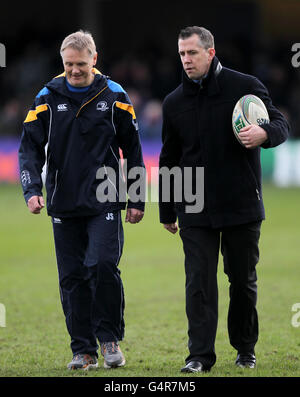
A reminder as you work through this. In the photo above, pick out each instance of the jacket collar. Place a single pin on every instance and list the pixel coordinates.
(58, 84)
(209, 84)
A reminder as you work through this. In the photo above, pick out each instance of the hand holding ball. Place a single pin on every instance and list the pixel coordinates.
(248, 115)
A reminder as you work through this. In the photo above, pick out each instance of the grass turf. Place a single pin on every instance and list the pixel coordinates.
(35, 342)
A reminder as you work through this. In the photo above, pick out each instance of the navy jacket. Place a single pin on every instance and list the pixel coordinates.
(80, 140)
(197, 132)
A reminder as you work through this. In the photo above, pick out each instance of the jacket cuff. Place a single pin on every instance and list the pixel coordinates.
(27, 196)
(138, 206)
(267, 143)
(167, 214)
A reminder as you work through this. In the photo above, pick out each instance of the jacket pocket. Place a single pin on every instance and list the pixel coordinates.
(55, 187)
(107, 189)
(112, 179)
(253, 180)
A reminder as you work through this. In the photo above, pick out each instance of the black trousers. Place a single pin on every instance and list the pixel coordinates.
(88, 251)
(239, 247)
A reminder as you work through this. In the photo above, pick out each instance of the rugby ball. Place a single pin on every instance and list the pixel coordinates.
(249, 109)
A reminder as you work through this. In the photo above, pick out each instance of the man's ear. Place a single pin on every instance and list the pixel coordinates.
(95, 57)
(212, 52)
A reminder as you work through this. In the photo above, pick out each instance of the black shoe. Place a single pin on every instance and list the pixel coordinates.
(193, 366)
(245, 360)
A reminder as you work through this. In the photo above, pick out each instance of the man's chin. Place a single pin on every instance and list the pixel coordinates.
(193, 76)
(79, 82)
(76, 83)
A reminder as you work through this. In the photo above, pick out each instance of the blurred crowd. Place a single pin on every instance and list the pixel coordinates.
(148, 79)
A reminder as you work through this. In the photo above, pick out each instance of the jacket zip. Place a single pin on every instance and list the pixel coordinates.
(55, 186)
(48, 147)
(77, 114)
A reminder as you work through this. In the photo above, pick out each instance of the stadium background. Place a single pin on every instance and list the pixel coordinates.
(137, 44)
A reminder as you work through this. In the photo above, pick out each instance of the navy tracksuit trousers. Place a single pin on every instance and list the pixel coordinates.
(88, 251)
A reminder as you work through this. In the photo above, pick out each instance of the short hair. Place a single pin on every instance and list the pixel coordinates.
(205, 36)
(79, 41)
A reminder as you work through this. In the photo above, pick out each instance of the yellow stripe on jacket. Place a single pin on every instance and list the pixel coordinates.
(32, 114)
(127, 107)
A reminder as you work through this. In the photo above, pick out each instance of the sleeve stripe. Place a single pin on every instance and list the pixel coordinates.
(32, 114)
(127, 107)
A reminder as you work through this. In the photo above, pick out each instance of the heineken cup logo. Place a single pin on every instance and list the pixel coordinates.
(2, 56)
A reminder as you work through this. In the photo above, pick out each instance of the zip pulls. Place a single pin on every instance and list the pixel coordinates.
(257, 192)
(77, 114)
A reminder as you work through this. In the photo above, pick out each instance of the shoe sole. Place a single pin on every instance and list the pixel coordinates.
(86, 368)
(191, 370)
(107, 366)
(245, 366)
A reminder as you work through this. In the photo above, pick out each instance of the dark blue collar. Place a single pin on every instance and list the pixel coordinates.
(76, 89)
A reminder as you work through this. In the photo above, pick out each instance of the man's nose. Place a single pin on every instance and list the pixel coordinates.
(75, 70)
(186, 59)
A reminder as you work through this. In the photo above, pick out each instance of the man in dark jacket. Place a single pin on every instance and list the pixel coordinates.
(197, 133)
(85, 118)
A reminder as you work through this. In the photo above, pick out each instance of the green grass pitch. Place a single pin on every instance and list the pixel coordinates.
(35, 342)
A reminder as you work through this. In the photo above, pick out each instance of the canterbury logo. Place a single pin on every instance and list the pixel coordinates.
(109, 216)
(25, 177)
(62, 107)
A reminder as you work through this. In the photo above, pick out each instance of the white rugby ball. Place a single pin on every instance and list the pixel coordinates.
(249, 109)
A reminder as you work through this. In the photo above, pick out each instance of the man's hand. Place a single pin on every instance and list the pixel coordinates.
(36, 204)
(171, 227)
(252, 136)
(133, 215)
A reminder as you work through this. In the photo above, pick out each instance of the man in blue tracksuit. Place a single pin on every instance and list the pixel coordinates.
(83, 118)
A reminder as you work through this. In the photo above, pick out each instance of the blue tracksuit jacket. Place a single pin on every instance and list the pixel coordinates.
(80, 139)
